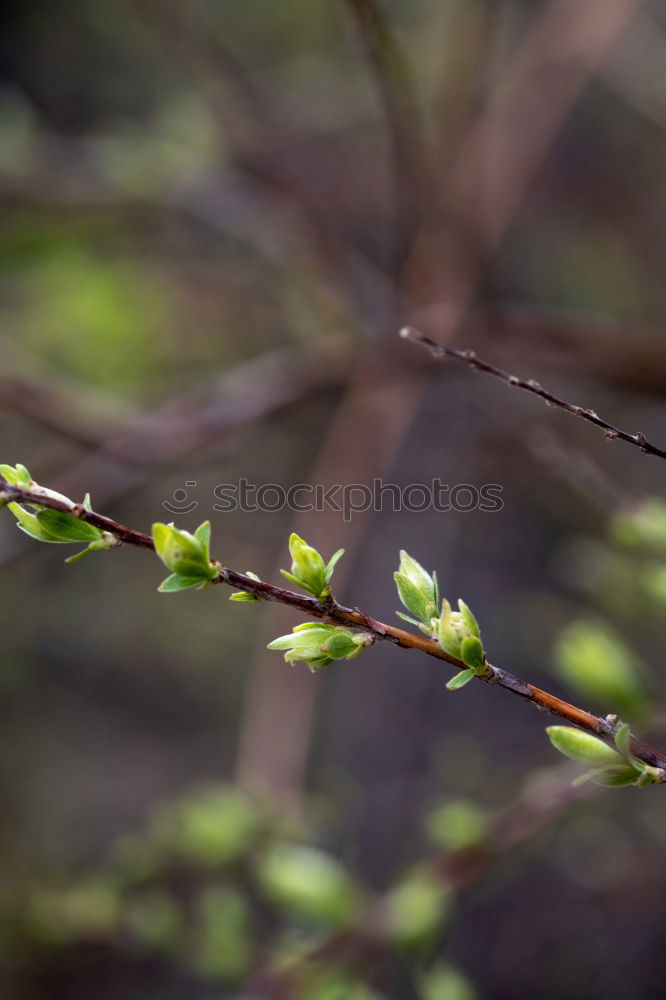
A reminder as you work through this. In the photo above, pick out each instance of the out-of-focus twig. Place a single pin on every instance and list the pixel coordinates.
(71, 410)
(183, 426)
(546, 74)
(394, 84)
(503, 151)
(441, 351)
(188, 424)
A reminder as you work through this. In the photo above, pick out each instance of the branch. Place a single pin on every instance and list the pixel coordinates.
(396, 90)
(182, 424)
(611, 433)
(330, 611)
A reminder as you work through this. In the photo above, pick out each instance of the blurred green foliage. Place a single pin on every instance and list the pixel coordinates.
(309, 883)
(101, 320)
(456, 825)
(446, 982)
(196, 887)
(595, 661)
(213, 826)
(417, 907)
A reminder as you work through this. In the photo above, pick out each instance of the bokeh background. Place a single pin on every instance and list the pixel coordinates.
(215, 219)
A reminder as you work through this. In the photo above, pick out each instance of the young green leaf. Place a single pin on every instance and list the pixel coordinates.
(107, 541)
(616, 776)
(202, 535)
(450, 632)
(28, 522)
(66, 528)
(623, 741)
(331, 564)
(412, 598)
(469, 621)
(418, 591)
(460, 679)
(175, 582)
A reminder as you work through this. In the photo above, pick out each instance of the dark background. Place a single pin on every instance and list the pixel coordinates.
(215, 219)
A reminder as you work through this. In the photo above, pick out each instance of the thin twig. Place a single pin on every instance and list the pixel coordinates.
(612, 433)
(395, 86)
(337, 614)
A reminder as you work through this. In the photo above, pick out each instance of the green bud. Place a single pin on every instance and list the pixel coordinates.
(458, 634)
(471, 652)
(450, 631)
(468, 619)
(19, 476)
(582, 747)
(612, 768)
(186, 555)
(54, 526)
(418, 592)
(308, 569)
(318, 645)
(309, 883)
(16, 475)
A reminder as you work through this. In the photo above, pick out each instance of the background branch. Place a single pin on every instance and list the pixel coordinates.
(440, 351)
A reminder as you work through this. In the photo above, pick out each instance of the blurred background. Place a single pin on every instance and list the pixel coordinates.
(215, 219)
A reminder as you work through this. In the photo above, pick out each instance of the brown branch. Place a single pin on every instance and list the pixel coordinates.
(612, 433)
(337, 614)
